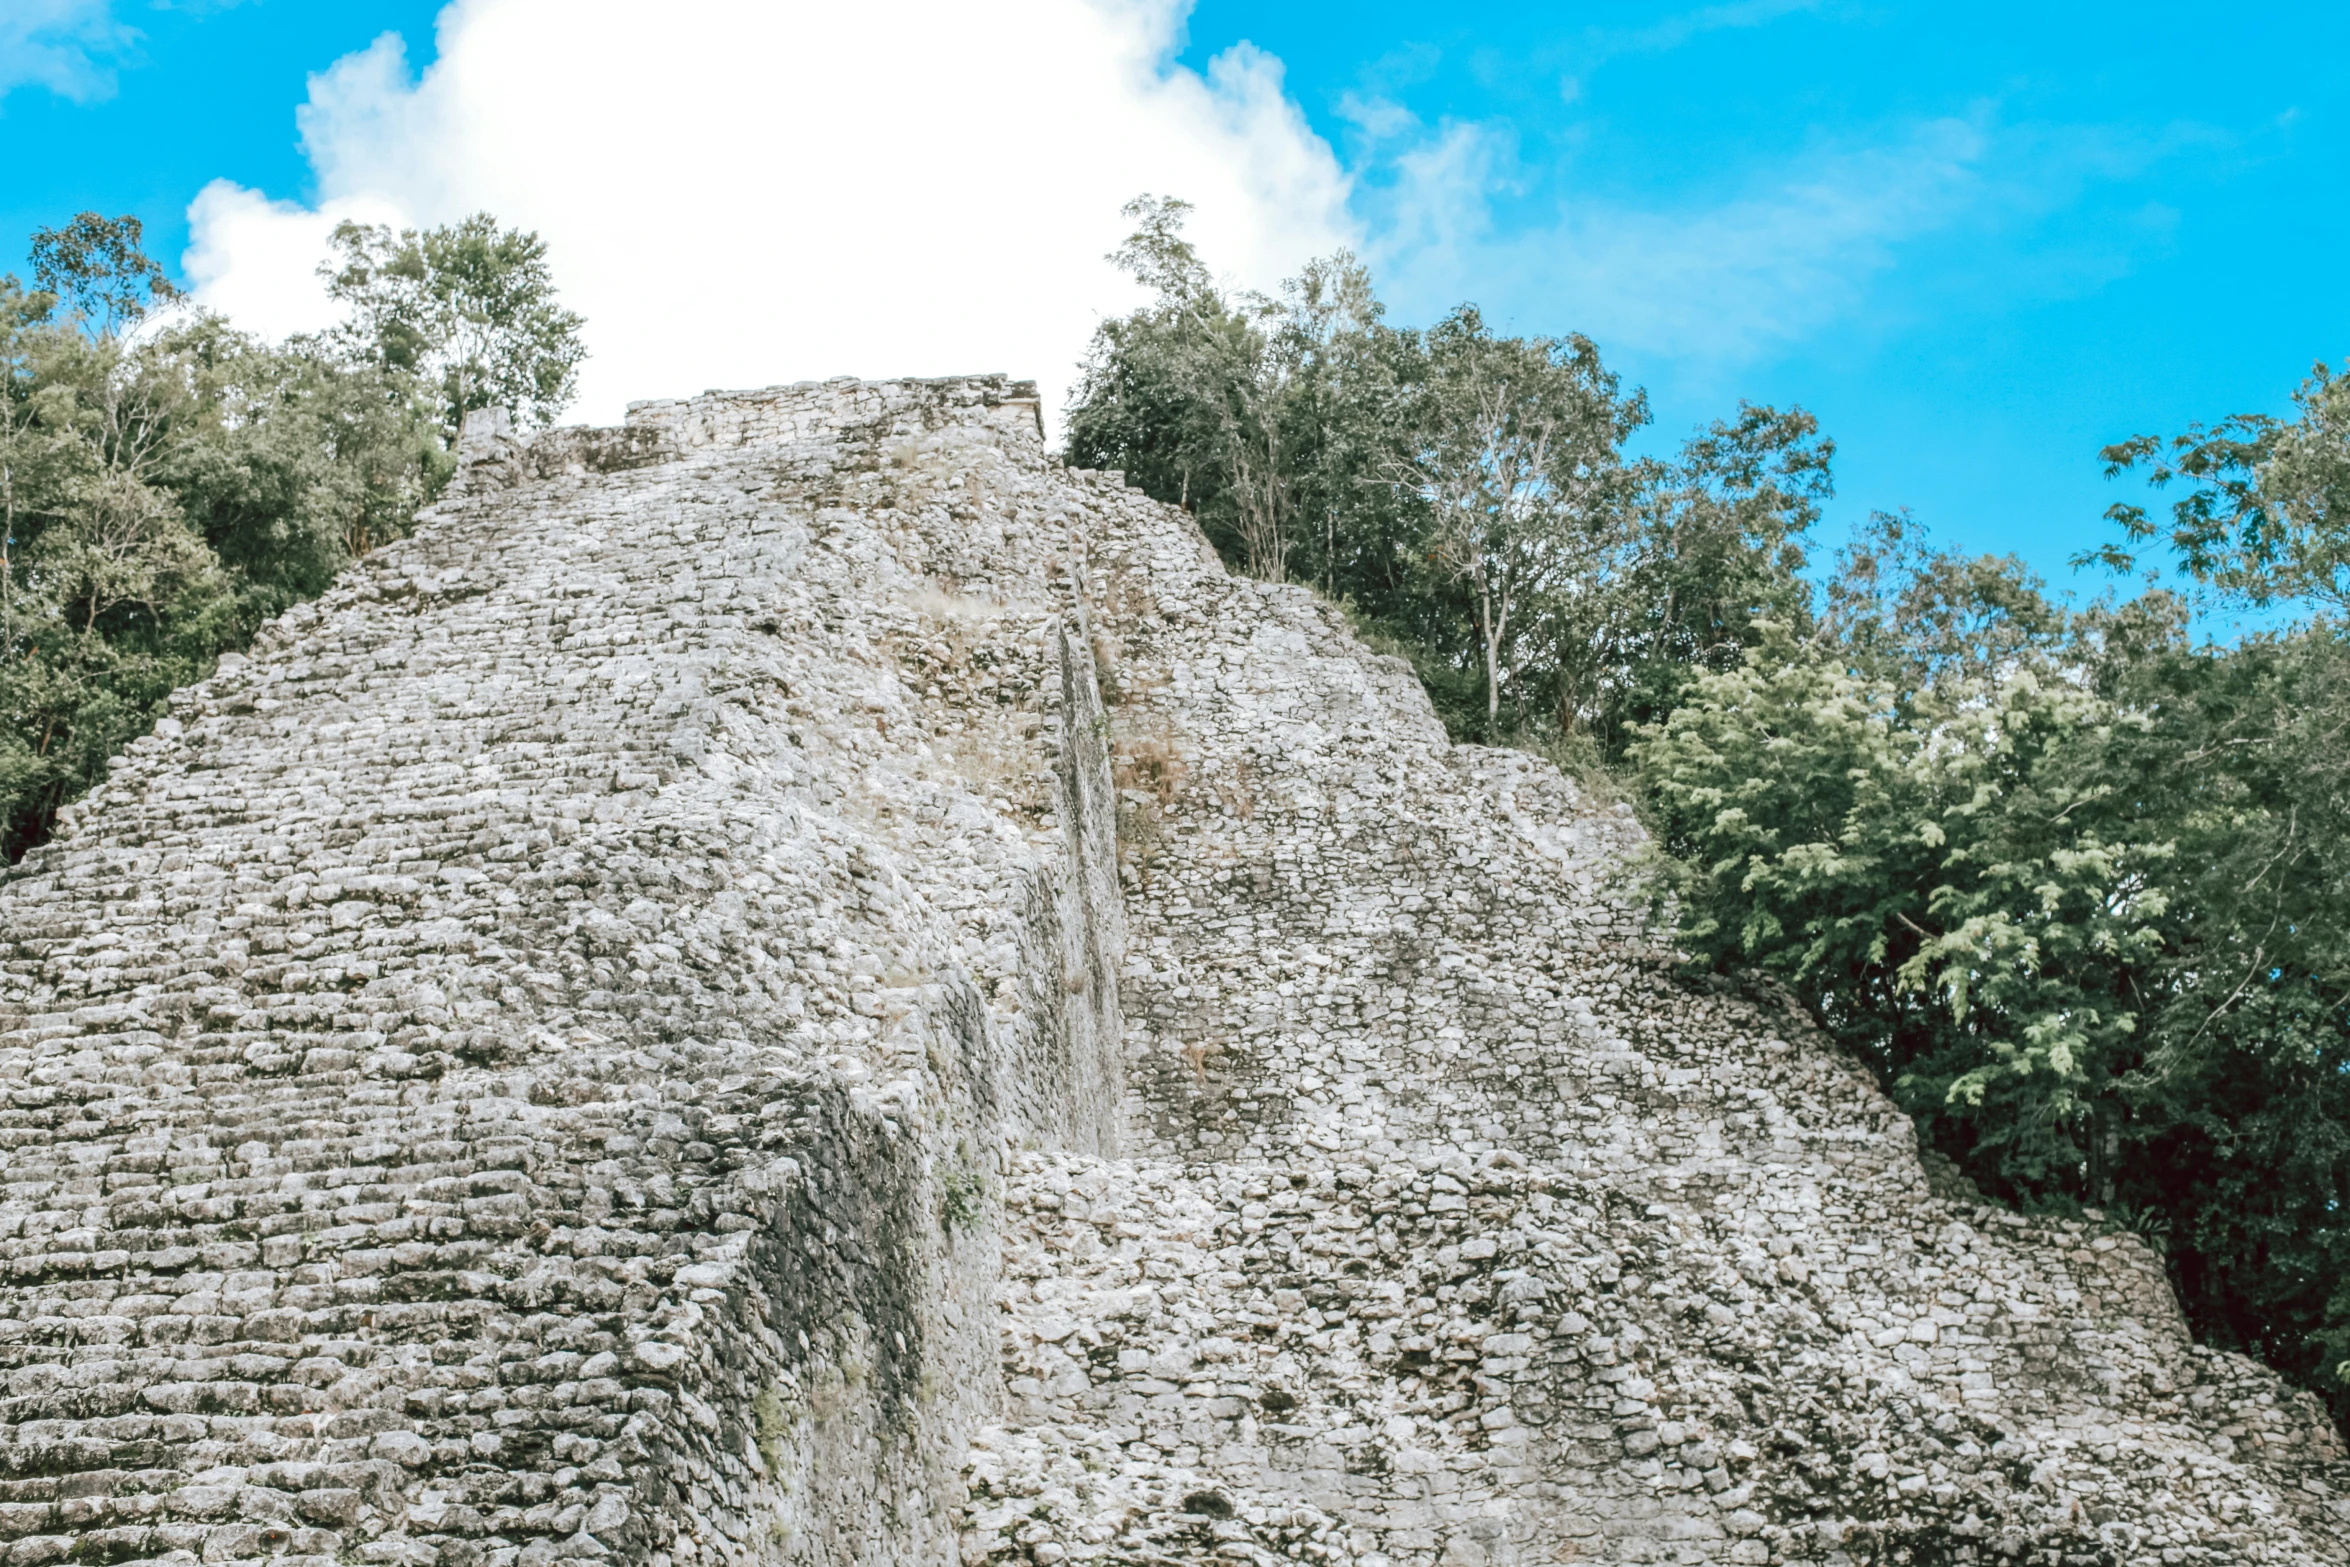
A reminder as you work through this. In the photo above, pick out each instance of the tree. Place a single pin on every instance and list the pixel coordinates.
(303, 462)
(162, 493)
(1706, 549)
(1263, 416)
(2266, 520)
(469, 308)
(1204, 363)
(1349, 384)
(30, 451)
(2067, 883)
(1948, 880)
(95, 267)
(104, 589)
(1513, 450)
(2232, 1135)
(1298, 427)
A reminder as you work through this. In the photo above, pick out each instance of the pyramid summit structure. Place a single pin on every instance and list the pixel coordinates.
(797, 982)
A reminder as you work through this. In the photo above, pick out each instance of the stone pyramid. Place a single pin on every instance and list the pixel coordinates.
(795, 982)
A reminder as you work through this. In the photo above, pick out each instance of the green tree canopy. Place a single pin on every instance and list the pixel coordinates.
(1464, 493)
(468, 308)
(1513, 449)
(94, 265)
(2070, 884)
(2265, 519)
(162, 493)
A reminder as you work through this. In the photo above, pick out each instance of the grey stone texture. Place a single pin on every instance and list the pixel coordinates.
(796, 982)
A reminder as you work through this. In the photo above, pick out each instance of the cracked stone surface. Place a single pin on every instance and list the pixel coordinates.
(796, 982)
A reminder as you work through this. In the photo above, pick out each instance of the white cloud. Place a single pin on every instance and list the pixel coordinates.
(256, 261)
(1714, 284)
(739, 192)
(64, 45)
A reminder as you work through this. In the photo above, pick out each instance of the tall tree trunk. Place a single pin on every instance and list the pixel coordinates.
(1258, 492)
(1489, 631)
(7, 560)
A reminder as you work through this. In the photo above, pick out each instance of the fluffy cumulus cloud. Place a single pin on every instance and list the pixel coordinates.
(740, 192)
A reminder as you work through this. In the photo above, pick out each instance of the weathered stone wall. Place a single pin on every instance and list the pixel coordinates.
(517, 1067)
(796, 982)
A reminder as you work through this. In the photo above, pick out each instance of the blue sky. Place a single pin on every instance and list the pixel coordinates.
(1979, 242)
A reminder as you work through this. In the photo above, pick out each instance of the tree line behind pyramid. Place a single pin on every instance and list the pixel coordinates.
(2070, 881)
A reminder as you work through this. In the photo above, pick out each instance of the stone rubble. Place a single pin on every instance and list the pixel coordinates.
(1454, 1229)
(796, 982)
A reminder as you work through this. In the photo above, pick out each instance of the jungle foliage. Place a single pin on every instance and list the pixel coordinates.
(1466, 495)
(168, 483)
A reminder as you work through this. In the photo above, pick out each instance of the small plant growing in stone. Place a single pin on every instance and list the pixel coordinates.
(1147, 772)
(771, 1421)
(1196, 1052)
(1139, 835)
(961, 1195)
(1233, 791)
(1152, 766)
(830, 1392)
(1105, 667)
